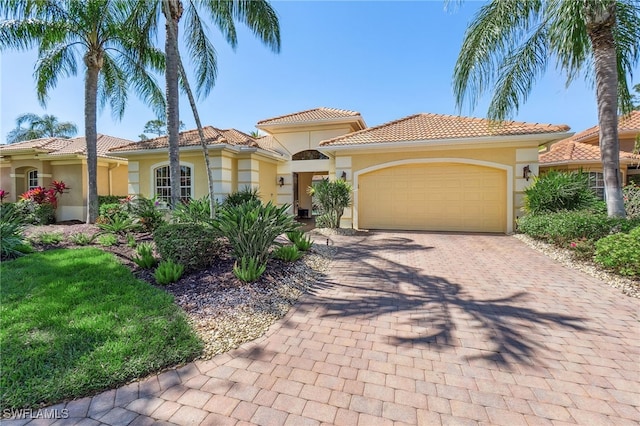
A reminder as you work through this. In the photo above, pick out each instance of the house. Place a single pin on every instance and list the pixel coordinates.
(422, 172)
(26, 165)
(582, 152)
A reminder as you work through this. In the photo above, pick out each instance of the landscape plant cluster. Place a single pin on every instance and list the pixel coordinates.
(562, 210)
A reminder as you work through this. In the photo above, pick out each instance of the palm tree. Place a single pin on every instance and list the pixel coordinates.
(107, 37)
(40, 127)
(258, 15)
(511, 42)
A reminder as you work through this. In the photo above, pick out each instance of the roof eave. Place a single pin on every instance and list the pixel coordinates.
(344, 120)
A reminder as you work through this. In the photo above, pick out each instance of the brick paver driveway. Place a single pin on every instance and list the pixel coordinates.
(416, 328)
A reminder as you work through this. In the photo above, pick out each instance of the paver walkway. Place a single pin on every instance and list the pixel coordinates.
(415, 328)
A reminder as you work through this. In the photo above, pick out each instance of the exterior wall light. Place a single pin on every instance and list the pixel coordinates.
(526, 172)
(344, 175)
(281, 181)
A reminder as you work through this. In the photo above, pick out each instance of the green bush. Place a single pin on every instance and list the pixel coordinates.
(620, 253)
(168, 272)
(81, 239)
(48, 238)
(333, 198)
(112, 211)
(253, 228)
(11, 231)
(111, 199)
(631, 195)
(298, 238)
(557, 191)
(144, 257)
(107, 240)
(249, 270)
(119, 225)
(193, 245)
(287, 253)
(193, 211)
(131, 241)
(146, 212)
(36, 214)
(563, 228)
(245, 195)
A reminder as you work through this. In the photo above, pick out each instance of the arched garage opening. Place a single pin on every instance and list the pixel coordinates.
(446, 194)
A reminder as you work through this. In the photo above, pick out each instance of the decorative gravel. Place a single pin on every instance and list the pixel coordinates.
(628, 286)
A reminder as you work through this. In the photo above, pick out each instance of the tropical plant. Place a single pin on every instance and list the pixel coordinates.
(301, 241)
(243, 196)
(631, 195)
(249, 269)
(510, 43)
(256, 14)
(107, 240)
(11, 232)
(48, 238)
(253, 228)
(119, 225)
(620, 252)
(107, 37)
(82, 239)
(559, 190)
(131, 241)
(333, 198)
(193, 211)
(287, 253)
(168, 272)
(144, 256)
(40, 127)
(146, 211)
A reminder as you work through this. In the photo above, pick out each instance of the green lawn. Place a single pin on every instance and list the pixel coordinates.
(74, 322)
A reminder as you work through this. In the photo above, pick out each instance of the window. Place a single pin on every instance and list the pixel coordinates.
(32, 179)
(163, 183)
(310, 154)
(596, 183)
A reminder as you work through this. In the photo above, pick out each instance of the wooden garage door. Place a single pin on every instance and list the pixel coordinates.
(433, 197)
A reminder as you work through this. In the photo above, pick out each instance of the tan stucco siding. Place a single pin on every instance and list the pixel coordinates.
(118, 181)
(72, 205)
(293, 142)
(268, 188)
(6, 182)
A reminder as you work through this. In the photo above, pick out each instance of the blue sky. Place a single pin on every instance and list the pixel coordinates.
(386, 60)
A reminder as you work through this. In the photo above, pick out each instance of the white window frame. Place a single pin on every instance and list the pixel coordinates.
(189, 187)
(32, 182)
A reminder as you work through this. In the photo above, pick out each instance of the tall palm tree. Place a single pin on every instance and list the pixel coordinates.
(510, 43)
(107, 37)
(40, 127)
(258, 15)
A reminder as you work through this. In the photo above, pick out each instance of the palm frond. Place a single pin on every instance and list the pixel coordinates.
(200, 47)
(59, 61)
(112, 87)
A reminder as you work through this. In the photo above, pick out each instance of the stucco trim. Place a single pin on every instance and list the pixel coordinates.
(508, 169)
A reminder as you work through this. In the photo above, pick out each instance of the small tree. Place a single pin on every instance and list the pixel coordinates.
(333, 198)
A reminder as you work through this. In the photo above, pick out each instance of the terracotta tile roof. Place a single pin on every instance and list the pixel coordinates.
(316, 114)
(570, 151)
(436, 126)
(59, 146)
(213, 136)
(626, 123)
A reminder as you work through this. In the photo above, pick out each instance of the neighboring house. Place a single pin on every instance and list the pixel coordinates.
(582, 152)
(422, 172)
(26, 165)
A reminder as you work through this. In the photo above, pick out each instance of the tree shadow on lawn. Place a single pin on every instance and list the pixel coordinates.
(440, 313)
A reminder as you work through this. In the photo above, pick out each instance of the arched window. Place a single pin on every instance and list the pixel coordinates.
(310, 154)
(163, 183)
(32, 179)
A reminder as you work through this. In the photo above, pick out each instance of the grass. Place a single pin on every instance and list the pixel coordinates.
(75, 322)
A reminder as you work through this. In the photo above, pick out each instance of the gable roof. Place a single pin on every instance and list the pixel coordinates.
(570, 151)
(315, 115)
(213, 136)
(629, 123)
(420, 127)
(60, 146)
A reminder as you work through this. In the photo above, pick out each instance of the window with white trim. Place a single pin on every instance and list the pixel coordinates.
(32, 179)
(163, 183)
(596, 183)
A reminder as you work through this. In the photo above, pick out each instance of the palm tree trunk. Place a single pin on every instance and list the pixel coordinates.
(203, 143)
(172, 10)
(91, 136)
(600, 29)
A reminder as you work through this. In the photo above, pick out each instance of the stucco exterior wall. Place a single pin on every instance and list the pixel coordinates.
(72, 205)
(118, 180)
(267, 182)
(296, 141)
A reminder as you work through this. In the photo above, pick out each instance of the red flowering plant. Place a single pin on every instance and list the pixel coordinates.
(40, 195)
(38, 204)
(3, 195)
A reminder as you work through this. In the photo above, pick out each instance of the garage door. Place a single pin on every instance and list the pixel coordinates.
(433, 197)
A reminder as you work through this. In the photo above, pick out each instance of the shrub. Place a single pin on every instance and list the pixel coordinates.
(36, 214)
(631, 195)
(107, 240)
(11, 239)
(49, 238)
(113, 211)
(563, 228)
(193, 245)
(111, 199)
(557, 191)
(147, 212)
(249, 270)
(131, 241)
(245, 195)
(118, 225)
(193, 211)
(287, 253)
(82, 239)
(168, 272)
(144, 257)
(620, 252)
(298, 238)
(333, 198)
(39, 204)
(253, 228)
